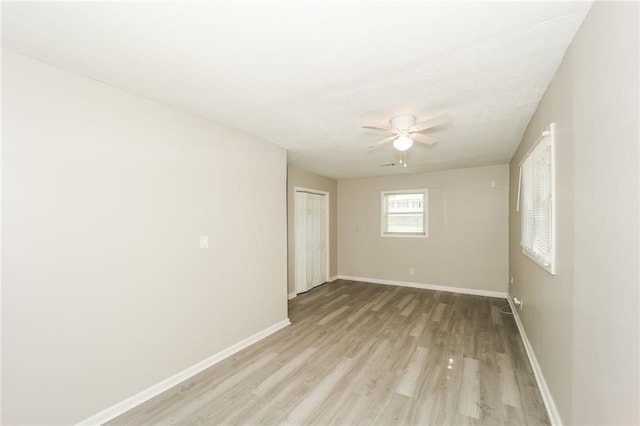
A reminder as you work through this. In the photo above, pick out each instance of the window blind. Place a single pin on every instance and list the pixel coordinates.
(403, 213)
(537, 201)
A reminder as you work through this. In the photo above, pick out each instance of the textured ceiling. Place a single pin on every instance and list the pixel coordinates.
(308, 75)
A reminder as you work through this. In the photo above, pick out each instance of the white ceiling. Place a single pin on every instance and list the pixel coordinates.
(307, 75)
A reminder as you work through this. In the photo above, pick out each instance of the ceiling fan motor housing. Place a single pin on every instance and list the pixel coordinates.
(402, 122)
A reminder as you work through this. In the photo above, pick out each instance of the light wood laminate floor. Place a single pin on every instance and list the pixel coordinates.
(359, 353)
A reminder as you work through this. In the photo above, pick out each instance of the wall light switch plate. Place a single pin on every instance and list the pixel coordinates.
(204, 241)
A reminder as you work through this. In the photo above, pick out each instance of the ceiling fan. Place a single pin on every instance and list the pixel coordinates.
(406, 131)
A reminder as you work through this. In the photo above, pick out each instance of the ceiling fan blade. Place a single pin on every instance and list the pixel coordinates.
(436, 121)
(378, 129)
(423, 139)
(380, 143)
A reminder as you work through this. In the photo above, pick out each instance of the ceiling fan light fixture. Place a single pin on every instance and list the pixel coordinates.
(403, 143)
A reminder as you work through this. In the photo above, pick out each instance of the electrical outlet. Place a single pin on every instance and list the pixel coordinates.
(518, 302)
(204, 241)
(412, 271)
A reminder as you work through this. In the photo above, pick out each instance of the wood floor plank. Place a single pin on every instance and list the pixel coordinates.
(395, 411)
(360, 354)
(410, 378)
(496, 317)
(508, 385)
(362, 310)
(385, 299)
(273, 380)
(532, 402)
(468, 404)
(405, 300)
(418, 328)
(326, 319)
(437, 315)
(356, 405)
(299, 413)
(409, 308)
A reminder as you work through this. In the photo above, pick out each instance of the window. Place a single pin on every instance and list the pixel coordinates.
(537, 182)
(404, 213)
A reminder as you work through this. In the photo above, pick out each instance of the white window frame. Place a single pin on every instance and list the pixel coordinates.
(425, 214)
(525, 187)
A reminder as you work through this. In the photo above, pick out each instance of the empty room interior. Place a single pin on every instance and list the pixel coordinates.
(320, 213)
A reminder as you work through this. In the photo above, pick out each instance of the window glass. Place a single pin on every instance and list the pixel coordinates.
(404, 213)
(536, 186)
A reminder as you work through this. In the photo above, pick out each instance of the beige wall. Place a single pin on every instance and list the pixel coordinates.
(548, 299)
(468, 232)
(105, 290)
(583, 322)
(301, 178)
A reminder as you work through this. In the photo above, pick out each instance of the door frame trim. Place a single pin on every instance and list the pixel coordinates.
(297, 189)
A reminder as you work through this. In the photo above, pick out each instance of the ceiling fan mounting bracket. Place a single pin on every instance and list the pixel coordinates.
(403, 122)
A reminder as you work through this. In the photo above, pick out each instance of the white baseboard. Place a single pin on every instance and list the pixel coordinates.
(132, 402)
(552, 410)
(475, 292)
(333, 278)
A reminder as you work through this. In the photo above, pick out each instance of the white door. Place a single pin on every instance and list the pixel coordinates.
(310, 240)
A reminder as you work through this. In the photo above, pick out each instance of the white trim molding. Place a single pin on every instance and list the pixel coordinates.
(137, 399)
(384, 213)
(326, 194)
(461, 290)
(333, 278)
(291, 295)
(552, 410)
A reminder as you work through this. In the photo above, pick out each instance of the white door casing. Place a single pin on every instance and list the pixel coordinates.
(311, 231)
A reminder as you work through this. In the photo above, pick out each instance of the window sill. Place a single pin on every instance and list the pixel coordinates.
(404, 235)
(550, 268)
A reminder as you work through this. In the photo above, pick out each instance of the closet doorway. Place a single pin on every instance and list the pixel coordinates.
(311, 229)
